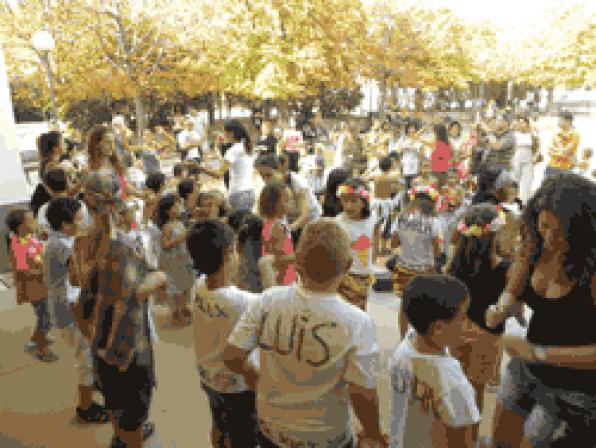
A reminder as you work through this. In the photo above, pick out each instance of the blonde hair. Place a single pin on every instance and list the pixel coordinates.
(324, 252)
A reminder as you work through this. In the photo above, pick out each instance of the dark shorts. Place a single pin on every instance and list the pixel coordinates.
(42, 315)
(553, 417)
(264, 442)
(127, 394)
(235, 416)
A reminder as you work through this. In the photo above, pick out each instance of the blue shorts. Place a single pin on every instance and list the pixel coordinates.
(553, 417)
(235, 416)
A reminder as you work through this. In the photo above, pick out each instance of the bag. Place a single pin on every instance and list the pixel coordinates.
(30, 286)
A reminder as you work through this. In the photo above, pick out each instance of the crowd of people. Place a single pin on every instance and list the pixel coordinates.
(274, 273)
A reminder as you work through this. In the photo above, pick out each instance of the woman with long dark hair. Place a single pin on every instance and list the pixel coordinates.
(441, 156)
(331, 203)
(548, 393)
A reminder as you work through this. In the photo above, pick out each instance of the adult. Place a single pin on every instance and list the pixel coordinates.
(292, 142)
(239, 160)
(188, 141)
(49, 148)
(305, 207)
(527, 148)
(200, 124)
(441, 156)
(411, 153)
(267, 140)
(501, 144)
(331, 203)
(563, 150)
(548, 393)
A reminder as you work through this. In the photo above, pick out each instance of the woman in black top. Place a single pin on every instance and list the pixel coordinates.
(476, 263)
(548, 394)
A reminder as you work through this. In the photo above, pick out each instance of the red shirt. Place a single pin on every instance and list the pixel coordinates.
(440, 157)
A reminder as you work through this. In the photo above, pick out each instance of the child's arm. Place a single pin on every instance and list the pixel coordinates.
(304, 212)
(151, 283)
(267, 272)
(167, 243)
(365, 403)
(459, 437)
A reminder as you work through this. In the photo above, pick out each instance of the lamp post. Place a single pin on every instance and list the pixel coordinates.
(44, 43)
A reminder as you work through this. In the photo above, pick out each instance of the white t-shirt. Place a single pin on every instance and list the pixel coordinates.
(311, 346)
(410, 156)
(416, 233)
(215, 313)
(361, 234)
(241, 168)
(188, 139)
(523, 147)
(298, 183)
(425, 391)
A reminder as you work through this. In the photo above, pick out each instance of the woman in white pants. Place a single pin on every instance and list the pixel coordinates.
(524, 158)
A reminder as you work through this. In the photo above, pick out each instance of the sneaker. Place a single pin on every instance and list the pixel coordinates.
(95, 414)
(47, 357)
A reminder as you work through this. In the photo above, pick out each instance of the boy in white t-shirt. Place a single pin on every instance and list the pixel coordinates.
(318, 353)
(432, 402)
(217, 308)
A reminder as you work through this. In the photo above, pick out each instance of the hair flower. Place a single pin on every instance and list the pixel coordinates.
(423, 189)
(347, 189)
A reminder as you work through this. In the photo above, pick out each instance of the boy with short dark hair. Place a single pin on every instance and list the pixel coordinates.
(318, 353)
(433, 403)
(218, 306)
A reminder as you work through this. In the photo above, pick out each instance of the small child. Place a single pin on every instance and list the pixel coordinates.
(217, 308)
(362, 225)
(250, 246)
(385, 201)
(63, 214)
(27, 264)
(174, 258)
(276, 264)
(317, 353)
(425, 178)
(432, 402)
(186, 189)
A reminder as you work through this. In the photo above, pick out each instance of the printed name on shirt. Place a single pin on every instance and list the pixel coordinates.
(405, 382)
(207, 304)
(300, 334)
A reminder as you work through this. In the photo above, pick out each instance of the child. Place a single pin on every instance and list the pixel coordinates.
(179, 172)
(217, 308)
(250, 246)
(426, 177)
(62, 215)
(433, 404)
(174, 258)
(317, 353)
(361, 226)
(154, 186)
(27, 264)
(276, 265)
(416, 232)
(185, 192)
(386, 188)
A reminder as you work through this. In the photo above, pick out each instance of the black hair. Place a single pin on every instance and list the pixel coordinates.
(207, 242)
(441, 133)
(385, 164)
(185, 188)
(251, 230)
(355, 184)
(423, 202)
(163, 209)
(270, 198)
(237, 218)
(62, 211)
(178, 169)
(15, 218)
(566, 115)
(331, 204)
(269, 161)
(473, 255)
(39, 197)
(56, 180)
(458, 124)
(155, 181)
(47, 143)
(239, 133)
(410, 124)
(487, 185)
(430, 298)
(193, 171)
(572, 199)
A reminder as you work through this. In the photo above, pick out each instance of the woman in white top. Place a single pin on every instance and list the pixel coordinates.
(239, 160)
(523, 159)
(410, 154)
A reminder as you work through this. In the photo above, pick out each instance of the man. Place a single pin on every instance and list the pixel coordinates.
(292, 142)
(188, 140)
(200, 124)
(501, 145)
(564, 147)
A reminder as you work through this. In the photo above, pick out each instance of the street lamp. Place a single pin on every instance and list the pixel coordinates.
(44, 43)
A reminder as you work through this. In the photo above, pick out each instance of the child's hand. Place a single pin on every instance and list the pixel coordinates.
(518, 347)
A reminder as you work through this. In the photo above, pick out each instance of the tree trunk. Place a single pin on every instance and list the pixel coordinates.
(140, 113)
(418, 100)
(382, 94)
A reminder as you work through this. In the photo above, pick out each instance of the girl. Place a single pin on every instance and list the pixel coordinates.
(276, 264)
(331, 203)
(250, 243)
(411, 153)
(417, 233)
(362, 226)
(174, 258)
(441, 156)
(476, 263)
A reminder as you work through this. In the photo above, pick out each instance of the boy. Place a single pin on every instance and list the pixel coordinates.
(317, 352)
(433, 403)
(217, 309)
(386, 188)
(62, 215)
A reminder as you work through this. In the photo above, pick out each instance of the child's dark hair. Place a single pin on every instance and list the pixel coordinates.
(473, 255)
(163, 209)
(56, 180)
(239, 133)
(185, 188)
(441, 133)
(355, 184)
(424, 203)
(237, 218)
(47, 142)
(385, 164)
(62, 211)
(429, 298)
(15, 218)
(178, 169)
(268, 161)
(331, 204)
(155, 181)
(410, 124)
(270, 198)
(207, 242)
(251, 230)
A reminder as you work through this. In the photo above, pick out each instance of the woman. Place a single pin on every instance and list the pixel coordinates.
(49, 147)
(441, 156)
(331, 203)
(305, 207)
(548, 393)
(476, 263)
(411, 153)
(524, 158)
(239, 160)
